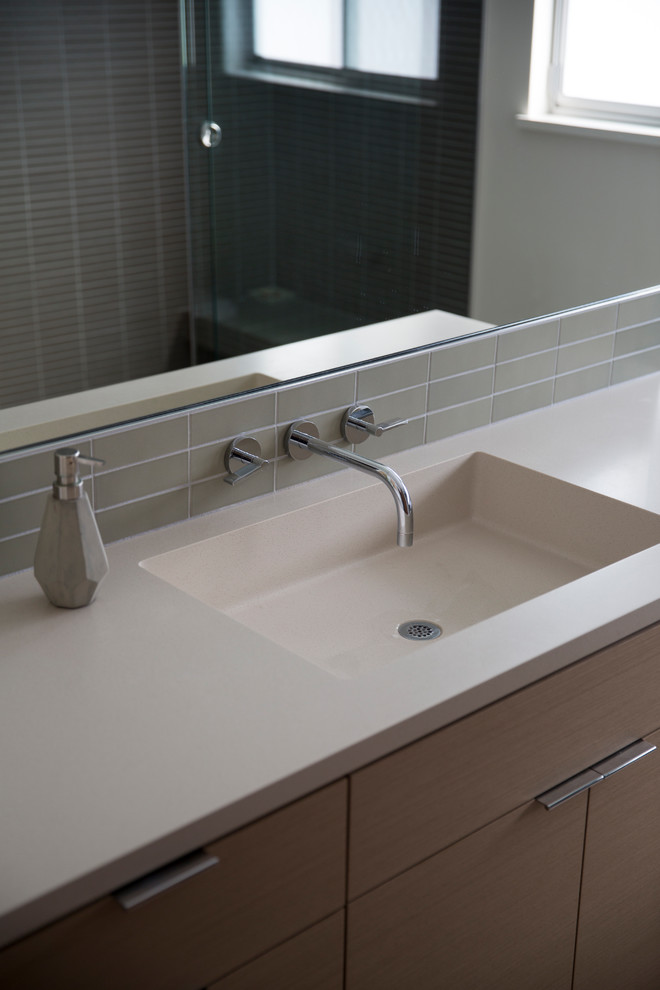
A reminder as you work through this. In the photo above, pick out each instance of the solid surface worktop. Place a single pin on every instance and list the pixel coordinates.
(148, 724)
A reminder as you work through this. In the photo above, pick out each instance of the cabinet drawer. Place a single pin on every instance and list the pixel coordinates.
(618, 941)
(273, 879)
(497, 910)
(313, 960)
(420, 799)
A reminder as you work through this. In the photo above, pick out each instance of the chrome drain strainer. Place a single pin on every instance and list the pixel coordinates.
(419, 629)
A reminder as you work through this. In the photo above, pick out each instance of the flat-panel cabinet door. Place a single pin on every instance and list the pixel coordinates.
(618, 944)
(313, 960)
(497, 910)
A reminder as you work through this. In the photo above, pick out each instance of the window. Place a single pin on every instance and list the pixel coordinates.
(605, 59)
(596, 59)
(389, 46)
(388, 37)
(298, 31)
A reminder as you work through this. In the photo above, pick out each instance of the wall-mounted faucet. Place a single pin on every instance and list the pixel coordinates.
(302, 440)
(358, 424)
(243, 458)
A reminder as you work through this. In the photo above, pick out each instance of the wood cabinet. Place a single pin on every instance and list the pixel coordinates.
(618, 941)
(496, 910)
(272, 879)
(313, 960)
(494, 895)
(413, 803)
(457, 876)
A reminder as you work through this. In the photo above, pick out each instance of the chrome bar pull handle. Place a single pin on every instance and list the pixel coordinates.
(358, 423)
(243, 458)
(624, 757)
(569, 788)
(599, 771)
(167, 876)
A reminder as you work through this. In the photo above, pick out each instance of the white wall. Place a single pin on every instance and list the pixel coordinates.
(560, 220)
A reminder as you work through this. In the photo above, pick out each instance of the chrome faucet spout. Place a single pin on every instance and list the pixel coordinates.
(298, 439)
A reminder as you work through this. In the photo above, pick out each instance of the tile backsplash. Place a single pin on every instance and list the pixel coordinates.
(171, 467)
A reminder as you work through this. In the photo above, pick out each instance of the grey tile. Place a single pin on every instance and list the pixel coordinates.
(209, 461)
(458, 419)
(18, 553)
(399, 405)
(639, 310)
(229, 419)
(521, 400)
(394, 375)
(289, 472)
(637, 339)
(139, 517)
(525, 371)
(462, 388)
(19, 515)
(469, 355)
(581, 382)
(401, 438)
(302, 401)
(635, 365)
(143, 442)
(590, 323)
(595, 350)
(527, 340)
(126, 484)
(35, 471)
(212, 494)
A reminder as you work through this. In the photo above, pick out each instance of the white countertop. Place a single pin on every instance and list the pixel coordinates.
(148, 724)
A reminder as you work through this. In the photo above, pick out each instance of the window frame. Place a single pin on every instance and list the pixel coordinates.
(560, 103)
(240, 60)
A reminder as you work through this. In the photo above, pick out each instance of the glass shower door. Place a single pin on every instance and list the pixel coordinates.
(333, 197)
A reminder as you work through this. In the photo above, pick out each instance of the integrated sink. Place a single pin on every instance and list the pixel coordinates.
(328, 583)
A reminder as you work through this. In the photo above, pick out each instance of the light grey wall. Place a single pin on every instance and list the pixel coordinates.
(559, 219)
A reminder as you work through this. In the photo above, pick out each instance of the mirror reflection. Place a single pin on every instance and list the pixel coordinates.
(325, 196)
(340, 189)
(351, 182)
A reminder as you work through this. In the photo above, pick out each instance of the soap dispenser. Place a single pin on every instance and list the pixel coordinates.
(70, 560)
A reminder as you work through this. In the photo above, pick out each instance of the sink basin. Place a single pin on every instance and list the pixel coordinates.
(328, 583)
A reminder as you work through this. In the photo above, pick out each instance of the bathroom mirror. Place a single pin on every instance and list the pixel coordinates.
(557, 219)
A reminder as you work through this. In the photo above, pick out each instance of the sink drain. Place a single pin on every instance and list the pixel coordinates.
(419, 629)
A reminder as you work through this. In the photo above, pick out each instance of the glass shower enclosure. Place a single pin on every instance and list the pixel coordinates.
(330, 159)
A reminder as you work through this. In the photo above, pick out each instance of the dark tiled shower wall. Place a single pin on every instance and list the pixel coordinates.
(171, 468)
(355, 203)
(93, 281)
(93, 255)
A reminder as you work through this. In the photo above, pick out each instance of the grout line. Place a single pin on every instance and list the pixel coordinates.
(472, 371)
(492, 397)
(16, 536)
(141, 498)
(145, 460)
(554, 373)
(426, 399)
(616, 324)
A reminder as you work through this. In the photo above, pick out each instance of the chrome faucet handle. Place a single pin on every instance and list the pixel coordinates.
(358, 423)
(243, 458)
(295, 441)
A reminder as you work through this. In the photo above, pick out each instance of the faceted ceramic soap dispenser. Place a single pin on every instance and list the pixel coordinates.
(70, 560)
